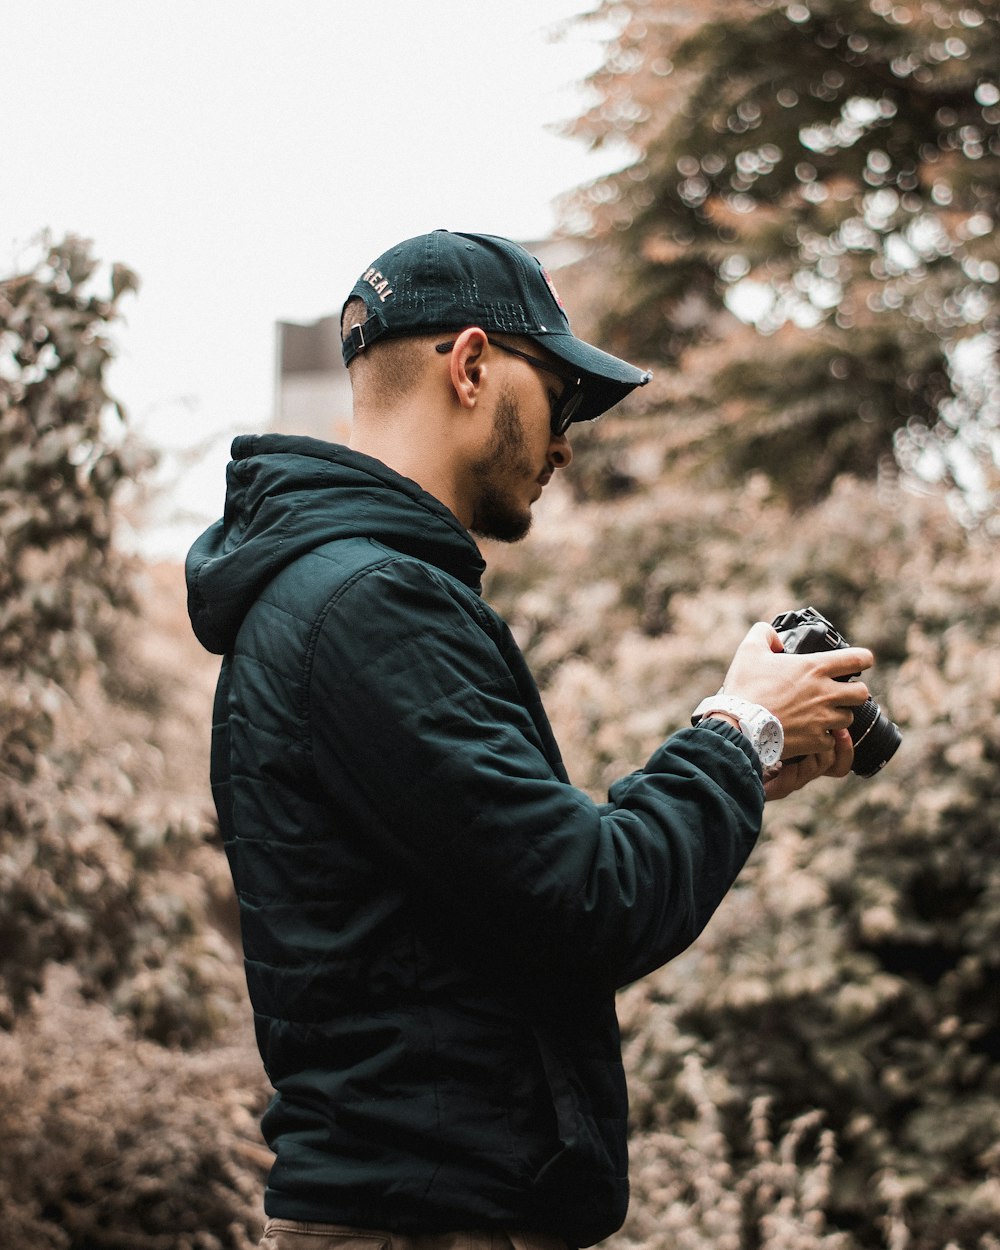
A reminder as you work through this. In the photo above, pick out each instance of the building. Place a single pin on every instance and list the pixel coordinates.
(312, 389)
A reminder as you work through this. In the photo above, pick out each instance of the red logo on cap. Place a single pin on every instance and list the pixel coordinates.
(552, 287)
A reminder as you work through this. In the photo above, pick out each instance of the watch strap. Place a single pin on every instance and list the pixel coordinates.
(758, 724)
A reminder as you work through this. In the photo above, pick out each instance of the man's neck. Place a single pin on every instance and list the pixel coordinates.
(414, 455)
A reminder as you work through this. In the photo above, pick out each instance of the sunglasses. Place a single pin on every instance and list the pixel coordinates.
(565, 405)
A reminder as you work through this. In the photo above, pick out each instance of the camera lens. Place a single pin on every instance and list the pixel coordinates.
(875, 739)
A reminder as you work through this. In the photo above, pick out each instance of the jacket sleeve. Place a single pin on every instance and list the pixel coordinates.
(421, 738)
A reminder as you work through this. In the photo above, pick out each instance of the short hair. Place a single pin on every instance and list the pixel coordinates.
(389, 367)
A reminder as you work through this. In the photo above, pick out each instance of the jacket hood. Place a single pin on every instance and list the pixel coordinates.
(287, 495)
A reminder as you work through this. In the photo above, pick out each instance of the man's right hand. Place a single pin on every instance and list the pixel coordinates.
(800, 690)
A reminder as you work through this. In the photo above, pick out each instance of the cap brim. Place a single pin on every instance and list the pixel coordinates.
(606, 378)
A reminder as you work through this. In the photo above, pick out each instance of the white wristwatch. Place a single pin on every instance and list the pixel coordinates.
(761, 726)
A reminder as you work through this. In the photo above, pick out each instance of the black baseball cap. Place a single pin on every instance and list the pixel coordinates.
(448, 280)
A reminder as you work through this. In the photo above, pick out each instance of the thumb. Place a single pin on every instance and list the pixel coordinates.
(766, 635)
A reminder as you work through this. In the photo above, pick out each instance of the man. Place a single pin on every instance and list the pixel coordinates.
(435, 920)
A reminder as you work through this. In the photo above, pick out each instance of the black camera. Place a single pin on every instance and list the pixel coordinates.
(875, 737)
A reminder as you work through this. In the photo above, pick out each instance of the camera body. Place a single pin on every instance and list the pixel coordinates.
(876, 739)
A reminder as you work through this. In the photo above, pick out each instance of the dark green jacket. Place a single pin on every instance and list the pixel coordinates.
(435, 920)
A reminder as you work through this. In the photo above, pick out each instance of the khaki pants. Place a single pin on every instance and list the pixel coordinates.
(293, 1235)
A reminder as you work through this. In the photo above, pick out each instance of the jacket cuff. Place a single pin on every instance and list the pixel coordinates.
(733, 735)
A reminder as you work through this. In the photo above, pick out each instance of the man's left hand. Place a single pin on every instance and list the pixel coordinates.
(834, 762)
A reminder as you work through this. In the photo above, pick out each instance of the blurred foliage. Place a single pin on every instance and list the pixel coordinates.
(116, 923)
(60, 465)
(849, 984)
(831, 170)
(76, 850)
(114, 1143)
(822, 1070)
(838, 162)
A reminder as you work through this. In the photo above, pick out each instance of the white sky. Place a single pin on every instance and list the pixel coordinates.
(248, 158)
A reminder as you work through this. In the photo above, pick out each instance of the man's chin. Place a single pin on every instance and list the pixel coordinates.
(502, 527)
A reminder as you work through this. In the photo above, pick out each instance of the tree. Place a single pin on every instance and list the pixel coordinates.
(60, 467)
(116, 946)
(831, 170)
(78, 855)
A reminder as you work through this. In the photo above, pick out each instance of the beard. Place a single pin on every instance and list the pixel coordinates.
(505, 464)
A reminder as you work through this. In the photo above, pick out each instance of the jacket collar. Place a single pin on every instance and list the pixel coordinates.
(288, 495)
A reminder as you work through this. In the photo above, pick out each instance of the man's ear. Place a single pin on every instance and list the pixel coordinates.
(467, 365)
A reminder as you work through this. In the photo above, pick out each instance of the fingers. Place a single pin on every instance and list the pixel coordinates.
(815, 736)
(841, 663)
(834, 760)
(843, 754)
(847, 661)
(841, 719)
(850, 693)
(813, 694)
(808, 693)
(793, 776)
(764, 634)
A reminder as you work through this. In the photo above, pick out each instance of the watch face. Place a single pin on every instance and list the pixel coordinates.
(769, 743)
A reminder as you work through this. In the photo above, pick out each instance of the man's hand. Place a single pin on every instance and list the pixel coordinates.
(835, 761)
(802, 692)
